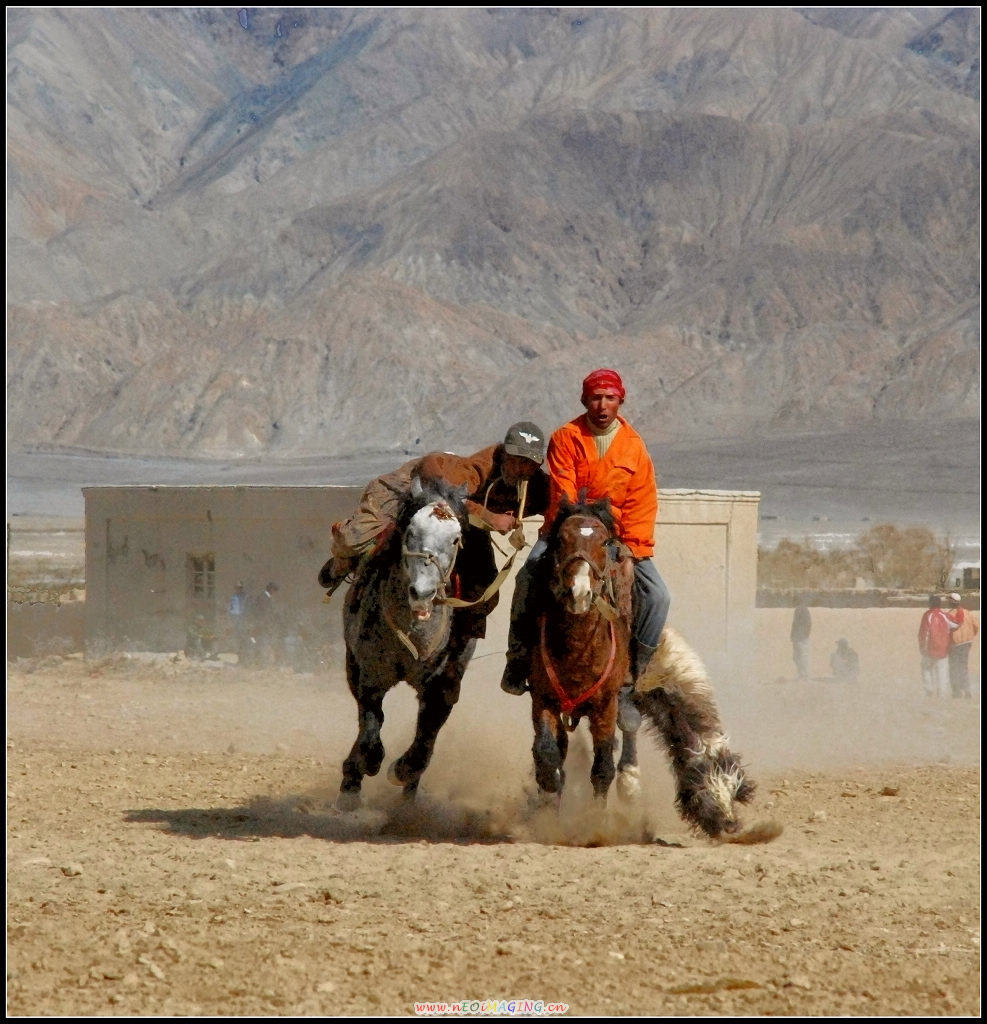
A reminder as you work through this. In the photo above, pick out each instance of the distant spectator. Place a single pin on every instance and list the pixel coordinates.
(239, 611)
(933, 644)
(269, 626)
(844, 662)
(801, 629)
(200, 639)
(966, 631)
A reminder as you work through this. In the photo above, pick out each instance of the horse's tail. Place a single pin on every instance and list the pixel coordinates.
(675, 696)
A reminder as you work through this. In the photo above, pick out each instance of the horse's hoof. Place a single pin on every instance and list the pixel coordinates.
(629, 783)
(398, 775)
(542, 800)
(348, 800)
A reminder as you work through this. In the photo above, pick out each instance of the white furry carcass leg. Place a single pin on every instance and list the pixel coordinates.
(677, 700)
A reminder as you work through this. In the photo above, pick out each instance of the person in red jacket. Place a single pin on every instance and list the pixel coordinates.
(601, 454)
(933, 644)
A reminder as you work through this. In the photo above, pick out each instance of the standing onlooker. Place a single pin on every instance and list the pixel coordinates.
(801, 628)
(966, 631)
(237, 610)
(933, 643)
(269, 630)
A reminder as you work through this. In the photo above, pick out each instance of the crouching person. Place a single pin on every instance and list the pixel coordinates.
(504, 482)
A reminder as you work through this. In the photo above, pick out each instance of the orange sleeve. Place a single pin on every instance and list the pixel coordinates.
(638, 510)
(561, 460)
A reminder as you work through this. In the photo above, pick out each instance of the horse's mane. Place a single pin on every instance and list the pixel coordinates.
(599, 509)
(425, 494)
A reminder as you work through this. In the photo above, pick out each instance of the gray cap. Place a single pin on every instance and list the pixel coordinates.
(527, 440)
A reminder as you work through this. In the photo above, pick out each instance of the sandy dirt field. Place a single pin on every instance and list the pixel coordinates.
(172, 850)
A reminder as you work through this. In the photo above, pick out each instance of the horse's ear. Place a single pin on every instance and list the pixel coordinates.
(416, 487)
(564, 503)
(461, 493)
(603, 505)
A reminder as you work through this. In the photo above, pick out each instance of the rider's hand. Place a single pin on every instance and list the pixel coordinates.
(502, 522)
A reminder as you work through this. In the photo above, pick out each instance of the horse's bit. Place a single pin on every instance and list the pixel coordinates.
(430, 558)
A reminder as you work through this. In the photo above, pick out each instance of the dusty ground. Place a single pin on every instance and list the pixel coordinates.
(172, 851)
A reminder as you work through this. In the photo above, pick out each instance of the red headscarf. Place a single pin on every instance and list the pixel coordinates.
(603, 380)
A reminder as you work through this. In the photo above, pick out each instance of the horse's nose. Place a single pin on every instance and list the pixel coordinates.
(582, 587)
(421, 594)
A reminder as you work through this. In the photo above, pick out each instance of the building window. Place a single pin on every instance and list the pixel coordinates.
(201, 571)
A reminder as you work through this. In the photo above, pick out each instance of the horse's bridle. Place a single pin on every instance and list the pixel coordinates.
(445, 575)
(604, 599)
(441, 511)
(430, 558)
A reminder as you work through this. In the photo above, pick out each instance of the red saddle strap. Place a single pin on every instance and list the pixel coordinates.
(567, 703)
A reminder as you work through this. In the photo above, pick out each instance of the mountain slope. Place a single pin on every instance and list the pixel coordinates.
(298, 231)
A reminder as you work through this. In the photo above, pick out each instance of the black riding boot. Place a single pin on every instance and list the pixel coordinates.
(641, 659)
(515, 677)
(518, 663)
(628, 716)
(334, 572)
(520, 638)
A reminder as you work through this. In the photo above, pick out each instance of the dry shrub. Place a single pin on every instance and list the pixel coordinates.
(885, 556)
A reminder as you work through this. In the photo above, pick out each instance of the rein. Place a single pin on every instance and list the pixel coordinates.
(408, 642)
(517, 542)
(569, 704)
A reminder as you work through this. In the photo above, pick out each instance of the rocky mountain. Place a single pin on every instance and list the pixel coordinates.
(296, 231)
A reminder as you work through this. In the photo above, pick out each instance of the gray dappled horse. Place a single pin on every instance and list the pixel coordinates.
(396, 628)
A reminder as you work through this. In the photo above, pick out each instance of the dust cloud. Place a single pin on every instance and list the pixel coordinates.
(480, 786)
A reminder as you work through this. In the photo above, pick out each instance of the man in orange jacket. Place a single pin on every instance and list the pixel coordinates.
(601, 453)
(960, 642)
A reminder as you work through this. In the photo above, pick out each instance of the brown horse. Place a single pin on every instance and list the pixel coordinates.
(582, 653)
(584, 585)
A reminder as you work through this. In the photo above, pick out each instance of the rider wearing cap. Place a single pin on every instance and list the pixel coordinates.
(600, 453)
(498, 480)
